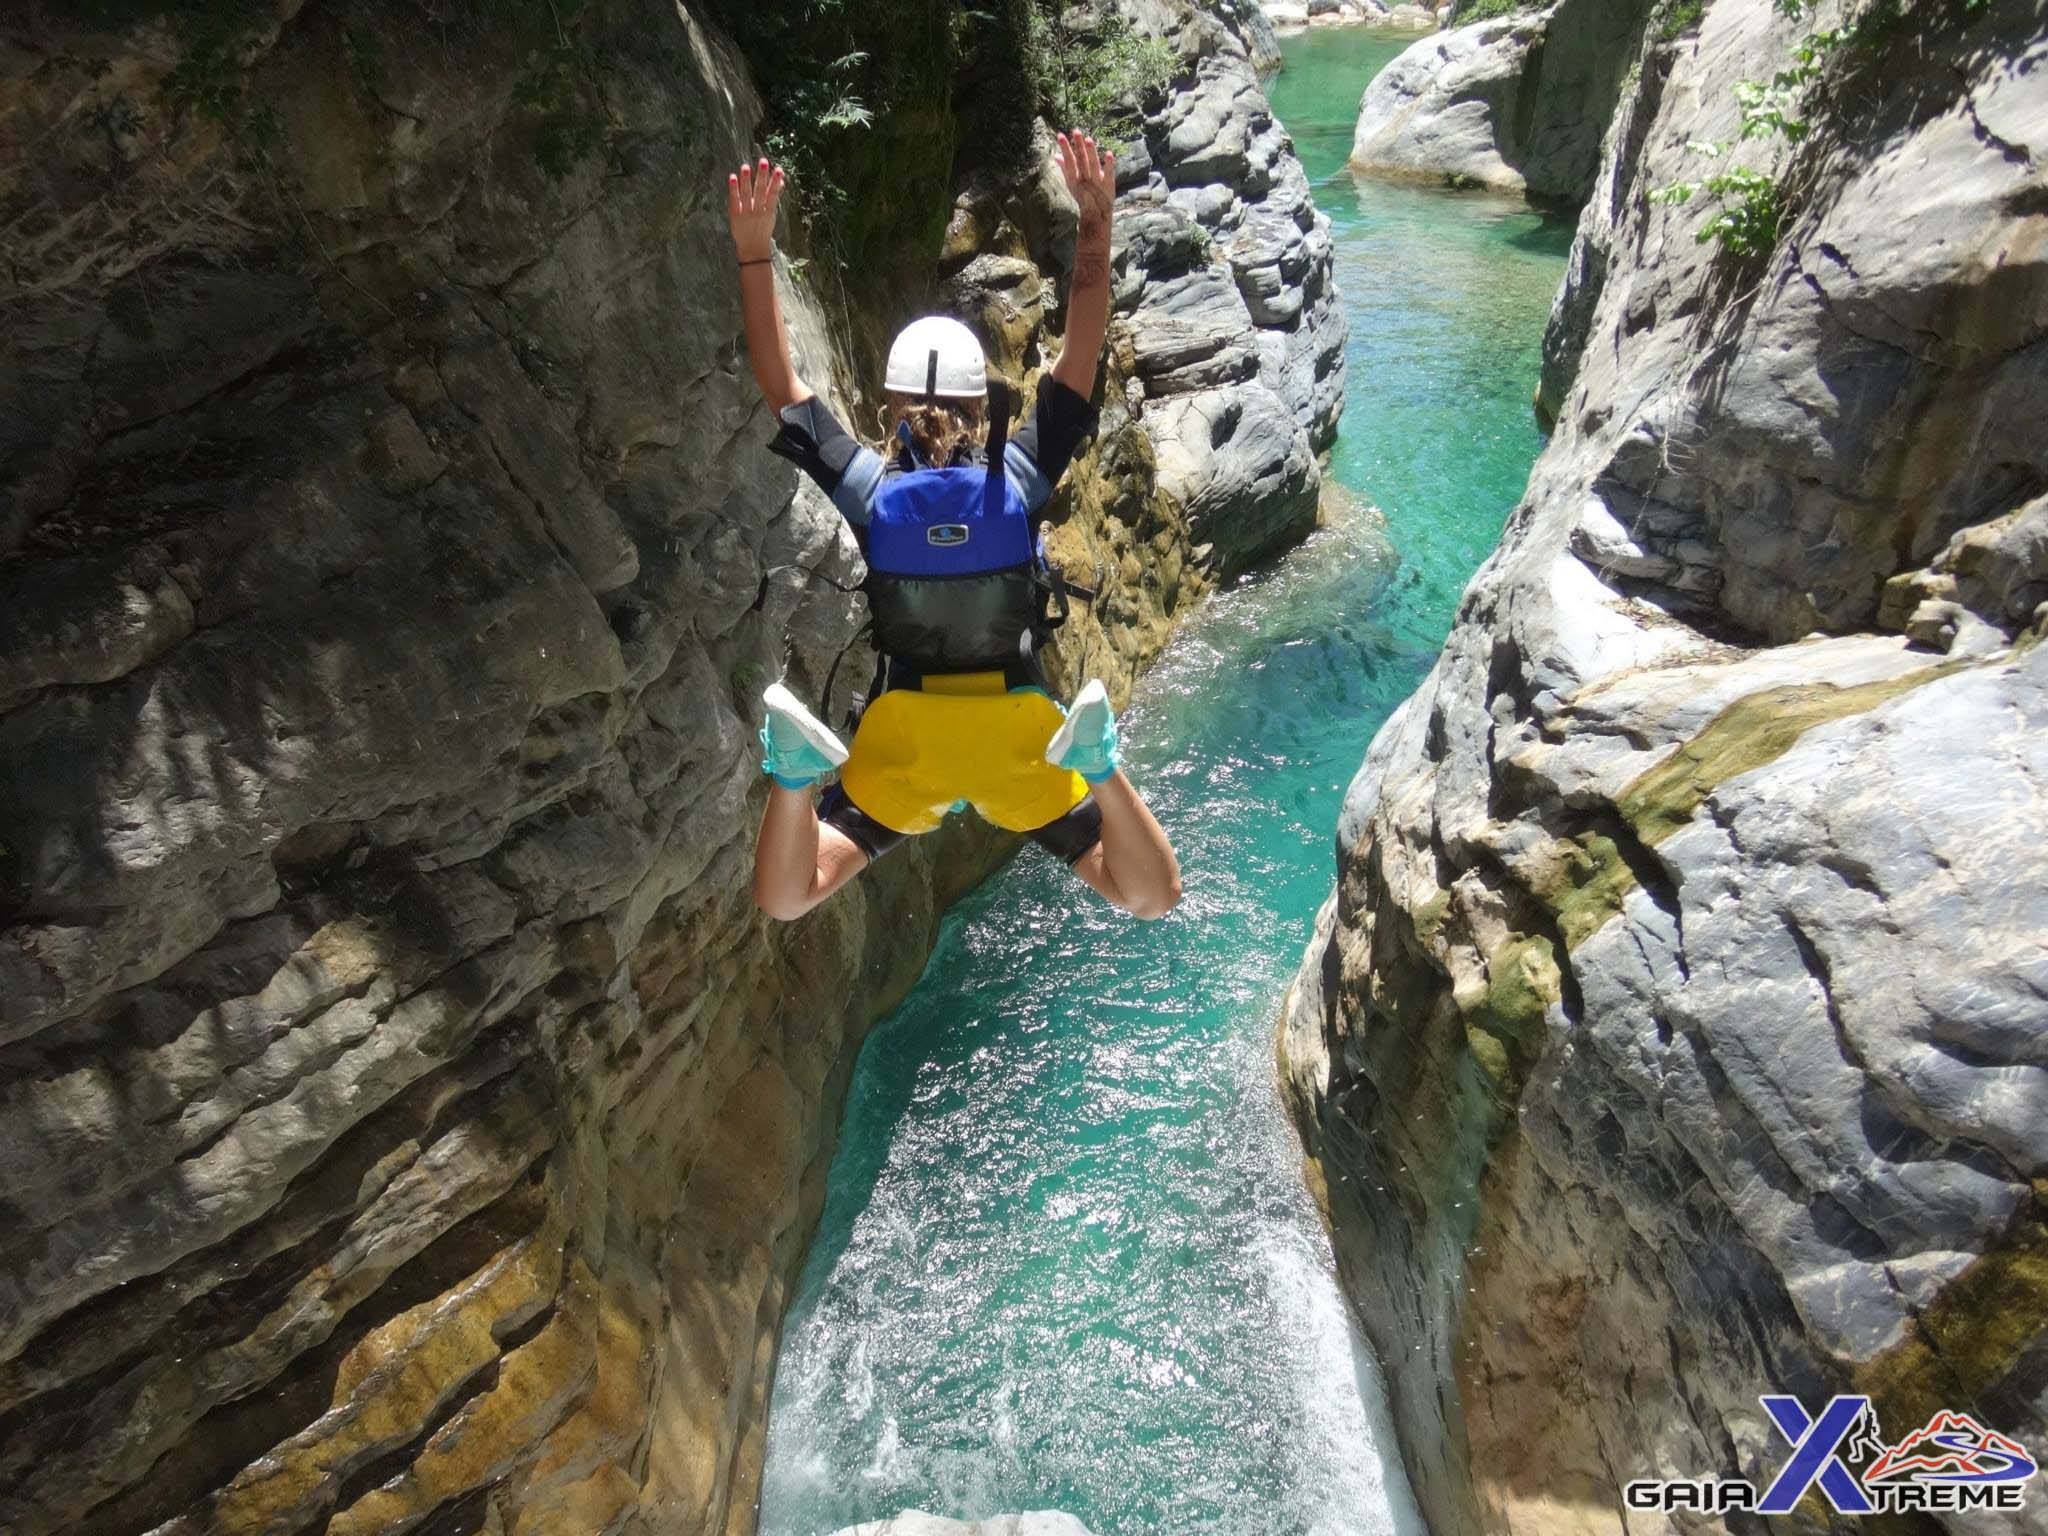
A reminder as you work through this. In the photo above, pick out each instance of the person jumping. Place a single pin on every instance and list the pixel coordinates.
(956, 591)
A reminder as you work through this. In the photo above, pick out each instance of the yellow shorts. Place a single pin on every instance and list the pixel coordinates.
(919, 751)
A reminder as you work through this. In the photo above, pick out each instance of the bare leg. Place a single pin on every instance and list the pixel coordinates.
(799, 861)
(1133, 866)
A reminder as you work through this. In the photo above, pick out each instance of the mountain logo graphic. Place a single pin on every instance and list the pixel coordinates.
(1952, 1466)
(1953, 1448)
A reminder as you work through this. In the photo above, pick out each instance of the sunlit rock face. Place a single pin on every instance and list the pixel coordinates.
(1675, 1030)
(1517, 103)
(406, 1121)
(1222, 269)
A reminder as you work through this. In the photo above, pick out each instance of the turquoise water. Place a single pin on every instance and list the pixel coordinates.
(1066, 1259)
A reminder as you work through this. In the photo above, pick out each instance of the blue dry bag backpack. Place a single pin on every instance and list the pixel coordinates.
(953, 574)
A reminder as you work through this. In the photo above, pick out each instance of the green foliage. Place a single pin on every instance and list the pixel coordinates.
(1096, 76)
(559, 84)
(1769, 109)
(1680, 17)
(207, 79)
(860, 99)
(1488, 10)
(1749, 205)
(867, 101)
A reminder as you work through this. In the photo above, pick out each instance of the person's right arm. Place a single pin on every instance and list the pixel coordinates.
(1090, 174)
(751, 194)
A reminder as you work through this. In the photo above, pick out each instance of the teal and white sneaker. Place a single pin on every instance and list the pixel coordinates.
(801, 748)
(1087, 742)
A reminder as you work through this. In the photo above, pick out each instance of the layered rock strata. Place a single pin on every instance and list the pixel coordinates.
(407, 1122)
(1518, 103)
(1676, 1030)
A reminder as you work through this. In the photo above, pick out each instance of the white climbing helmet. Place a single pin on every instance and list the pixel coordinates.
(936, 356)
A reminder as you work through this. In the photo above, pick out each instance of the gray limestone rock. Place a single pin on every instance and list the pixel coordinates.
(1517, 103)
(1676, 1030)
(1224, 295)
(1571, 313)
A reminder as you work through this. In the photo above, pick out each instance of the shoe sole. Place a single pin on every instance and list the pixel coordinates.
(813, 730)
(1092, 693)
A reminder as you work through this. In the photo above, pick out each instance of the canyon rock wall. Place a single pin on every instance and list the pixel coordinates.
(1678, 1028)
(406, 1121)
(1518, 103)
(1234, 344)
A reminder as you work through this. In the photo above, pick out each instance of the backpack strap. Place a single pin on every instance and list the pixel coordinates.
(908, 444)
(1052, 587)
(1027, 669)
(832, 674)
(998, 440)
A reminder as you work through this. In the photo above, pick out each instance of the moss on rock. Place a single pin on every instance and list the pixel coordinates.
(1593, 879)
(1756, 729)
(1504, 1026)
(1972, 1335)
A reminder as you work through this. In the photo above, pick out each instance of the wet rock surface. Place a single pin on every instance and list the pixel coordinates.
(1517, 103)
(1676, 1029)
(406, 1120)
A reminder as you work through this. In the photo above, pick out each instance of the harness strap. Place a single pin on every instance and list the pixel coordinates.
(877, 686)
(825, 700)
(1027, 671)
(910, 450)
(1052, 587)
(998, 439)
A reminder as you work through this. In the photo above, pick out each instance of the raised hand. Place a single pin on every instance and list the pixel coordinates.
(1090, 174)
(751, 194)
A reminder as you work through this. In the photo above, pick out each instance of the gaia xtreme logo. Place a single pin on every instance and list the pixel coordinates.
(1950, 1465)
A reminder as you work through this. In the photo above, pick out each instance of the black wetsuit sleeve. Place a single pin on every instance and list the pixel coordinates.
(1046, 444)
(817, 442)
